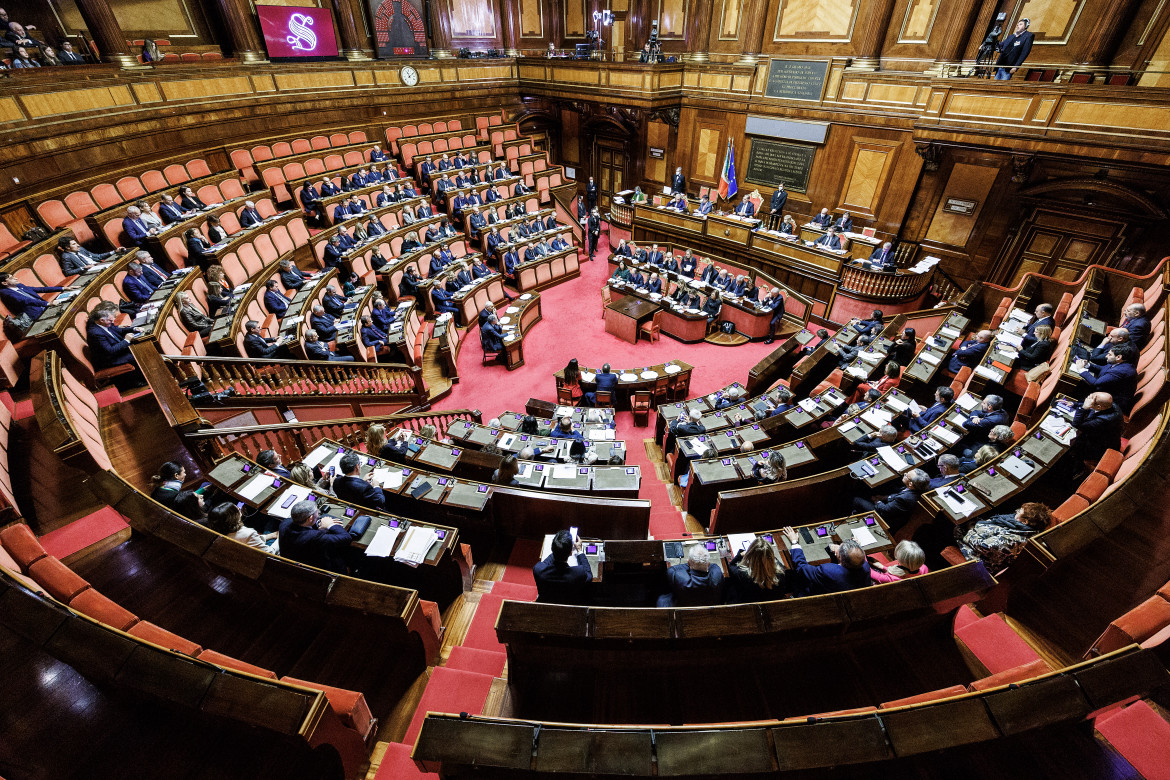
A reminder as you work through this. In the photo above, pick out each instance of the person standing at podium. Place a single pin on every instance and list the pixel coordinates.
(776, 207)
(560, 580)
(679, 182)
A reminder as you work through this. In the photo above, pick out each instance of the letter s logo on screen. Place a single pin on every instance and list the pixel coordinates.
(300, 36)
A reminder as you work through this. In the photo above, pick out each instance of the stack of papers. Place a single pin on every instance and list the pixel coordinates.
(808, 404)
(877, 417)
(987, 372)
(893, 459)
(256, 486)
(563, 471)
(871, 357)
(963, 507)
(858, 372)
(416, 545)
(967, 402)
(601, 434)
(929, 357)
(946, 434)
(383, 542)
(864, 537)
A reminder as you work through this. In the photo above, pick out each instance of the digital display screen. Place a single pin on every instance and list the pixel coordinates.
(297, 32)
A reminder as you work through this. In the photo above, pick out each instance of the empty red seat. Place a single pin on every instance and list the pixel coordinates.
(349, 705)
(1135, 626)
(198, 168)
(1140, 735)
(58, 579)
(228, 662)
(155, 181)
(21, 543)
(95, 605)
(1070, 509)
(991, 643)
(1016, 674)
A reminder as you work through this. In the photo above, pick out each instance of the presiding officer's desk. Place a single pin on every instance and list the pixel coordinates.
(606, 664)
(436, 575)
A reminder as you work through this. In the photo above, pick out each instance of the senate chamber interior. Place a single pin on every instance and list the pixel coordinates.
(584, 388)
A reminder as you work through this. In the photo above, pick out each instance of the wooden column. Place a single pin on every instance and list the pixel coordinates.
(870, 34)
(241, 24)
(510, 27)
(106, 32)
(755, 13)
(355, 44)
(440, 29)
(699, 30)
(1112, 22)
(956, 32)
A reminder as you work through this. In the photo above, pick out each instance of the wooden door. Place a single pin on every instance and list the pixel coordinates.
(610, 157)
(1063, 246)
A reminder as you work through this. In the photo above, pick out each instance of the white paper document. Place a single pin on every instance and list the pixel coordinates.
(284, 503)
(893, 459)
(383, 542)
(858, 372)
(877, 417)
(962, 507)
(987, 372)
(563, 471)
(738, 542)
(864, 537)
(808, 404)
(930, 357)
(896, 405)
(318, 455)
(394, 479)
(946, 434)
(1010, 339)
(871, 357)
(416, 545)
(967, 402)
(256, 486)
(381, 475)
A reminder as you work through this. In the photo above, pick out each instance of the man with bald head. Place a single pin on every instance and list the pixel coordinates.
(1098, 423)
(970, 352)
(1113, 338)
(849, 572)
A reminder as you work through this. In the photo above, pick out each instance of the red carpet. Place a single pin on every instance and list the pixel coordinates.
(521, 561)
(573, 327)
(479, 661)
(1140, 735)
(83, 532)
(450, 690)
(514, 591)
(481, 635)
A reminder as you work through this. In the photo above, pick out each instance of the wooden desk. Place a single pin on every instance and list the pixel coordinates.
(625, 316)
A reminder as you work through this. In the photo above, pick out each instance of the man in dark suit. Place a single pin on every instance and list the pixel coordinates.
(948, 472)
(869, 444)
(1098, 423)
(1043, 317)
(844, 223)
(75, 258)
(316, 349)
(1014, 50)
(557, 580)
(944, 396)
(109, 347)
(68, 56)
(313, 541)
(374, 337)
(493, 241)
(311, 202)
(508, 264)
(360, 179)
(851, 572)
(377, 155)
(696, 583)
(169, 211)
(352, 488)
(591, 193)
(334, 255)
(1118, 377)
(705, 206)
(1097, 355)
(776, 206)
(775, 304)
(883, 257)
(256, 345)
(745, 208)
(491, 335)
(502, 172)
(606, 382)
(23, 299)
(679, 182)
(135, 228)
(290, 276)
(137, 289)
(1137, 322)
(270, 460)
(443, 301)
(689, 425)
(896, 508)
(249, 216)
(334, 301)
(594, 232)
(970, 352)
(323, 322)
(550, 222)
(476, 223)
(978, 426)
(829, 241)
(824, 219)
(274, 299)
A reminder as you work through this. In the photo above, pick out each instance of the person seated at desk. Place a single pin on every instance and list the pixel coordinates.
(22, 298)
(713, 306)
(1038, 351)
(855, 409)
(386, 196)
(334, 254)
(882, 258)
(479, 269)
(270, 460)
(491, 336)
(745, 208)
(679, 203)
(844, 223)
(623, 249)
(258, 346)
(557, 580)
(148, 217)
(1098, 354)
(696, 583)
(444, 303)
(904, 347)
(811, 347)
(1043, 317)
(849, 569)
(896, 508)
(348, 241)
(970, 352)
(670, 263)
(771, 469)
(476, 223)
(636, 278)
(189, 200)
(374, 337)
(311, 202)
(738, 286)
(135, 228)
(982, 457)
(350, 486)
(312, 540)
(249, 216)
(1118, 377)
(686, 297)
(654, 284)
(381, 314)
(607, 382)
(168, 483)
(291, 277)
(909, 561)
(1137, 322)
(638, 196)
(506, 473)
(191, 316)
(688, 264)
(492, 195)
(1098, 422)
(564, 430)
(109, 345)
(410, 243)
(362, 179)
(274, 299)
(885, 436)
(688, 424)
(374, 228)
(990, 414)
(709, 273)
(829, 241)
(334, 301)
(532, 252)
(441, 259)
(198, 249)
(944, 396)
(445, 163)
(824, 219)
(459, 204)
(654, 256)
(948, 471)
(443, 184)
(784, 402)
(751, 291)
(755, 574)
(135, 285)
(318, 350)
(75, 258)
(998, 540)
(788, 226)
(460, 279)
(559, 244)
(508, 265)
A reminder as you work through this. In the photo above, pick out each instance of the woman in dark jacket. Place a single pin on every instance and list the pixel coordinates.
(1038, 351)
(755, 574)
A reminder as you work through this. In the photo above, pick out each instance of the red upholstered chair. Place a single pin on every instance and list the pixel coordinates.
(95, 605)
(1016, 674)
(59, 580)
(1093, 487)
(22, 544)
(350, 706)
(1070, 509)
(176, 174)
(1135, 626)
(144, 629)
(228, 662)
(941, 693)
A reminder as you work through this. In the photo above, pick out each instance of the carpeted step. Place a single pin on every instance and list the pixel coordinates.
(450, 690)
(995, 645)
(469, 659)
(481, 634)
(514, 591)
(525, 553)
(97, 531)
(398, 765)
(1140, 735)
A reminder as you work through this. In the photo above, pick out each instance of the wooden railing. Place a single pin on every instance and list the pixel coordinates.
(294, 440)
(883, 286)
(251, 377)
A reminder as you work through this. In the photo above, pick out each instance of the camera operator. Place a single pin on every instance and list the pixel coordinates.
(1014, 50)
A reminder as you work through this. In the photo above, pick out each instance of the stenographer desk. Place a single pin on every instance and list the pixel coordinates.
(625, 316)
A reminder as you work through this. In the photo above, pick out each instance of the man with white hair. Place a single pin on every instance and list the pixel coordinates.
(696, 583)
(689, 425)
(250, 216)
(309, 539)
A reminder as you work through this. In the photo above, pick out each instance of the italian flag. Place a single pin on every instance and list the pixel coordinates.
(727, 185)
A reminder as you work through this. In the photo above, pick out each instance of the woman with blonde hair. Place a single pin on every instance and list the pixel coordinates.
(375, 439)
(770, 469)
(910, 561)
(755, 574)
